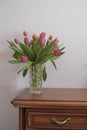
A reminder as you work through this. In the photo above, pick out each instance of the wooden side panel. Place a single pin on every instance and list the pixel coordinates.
(21, 119)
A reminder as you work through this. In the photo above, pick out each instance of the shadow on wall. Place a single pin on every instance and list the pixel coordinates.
(8, 72)
(8, 90)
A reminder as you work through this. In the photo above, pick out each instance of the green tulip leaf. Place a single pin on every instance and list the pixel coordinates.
(14, 61)
(27, 66)
(53, 64)
(25, 72)
(44, 74)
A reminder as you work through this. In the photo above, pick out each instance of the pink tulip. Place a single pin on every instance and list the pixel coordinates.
(30, 42)
(42, 35)
(16, 40)
(57, 52)
(23, 59)
(42, 42)
(55, 43)
(26, 40)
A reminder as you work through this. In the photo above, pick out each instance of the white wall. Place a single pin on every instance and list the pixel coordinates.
(66, 19)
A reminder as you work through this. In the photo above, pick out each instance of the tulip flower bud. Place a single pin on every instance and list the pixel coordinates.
(26, 40)
(34, 37)
(25, 33)
(23, 59)
(50, 37)
(55, 43)
(30, 42)
(16, 40)
(42, 42)
(57, 52)
(42, 35)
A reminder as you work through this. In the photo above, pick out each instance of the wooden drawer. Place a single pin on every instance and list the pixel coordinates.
(56, 119)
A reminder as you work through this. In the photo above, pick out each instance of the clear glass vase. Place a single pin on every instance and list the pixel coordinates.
(36, 76)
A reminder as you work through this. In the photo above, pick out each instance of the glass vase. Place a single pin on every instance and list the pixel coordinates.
(36, 76)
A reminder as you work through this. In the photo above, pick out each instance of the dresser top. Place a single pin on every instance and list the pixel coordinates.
(56, 96)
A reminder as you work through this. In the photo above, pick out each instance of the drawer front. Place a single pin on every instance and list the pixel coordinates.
(58, 120)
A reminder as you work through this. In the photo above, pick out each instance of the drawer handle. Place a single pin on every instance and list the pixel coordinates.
(60, 122)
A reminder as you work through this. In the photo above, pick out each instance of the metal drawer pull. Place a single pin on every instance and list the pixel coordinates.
(60, 122)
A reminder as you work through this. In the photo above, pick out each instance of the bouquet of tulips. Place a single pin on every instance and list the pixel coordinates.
(38, 50)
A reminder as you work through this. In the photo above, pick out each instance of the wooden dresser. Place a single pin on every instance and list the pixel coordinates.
(54, 109)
